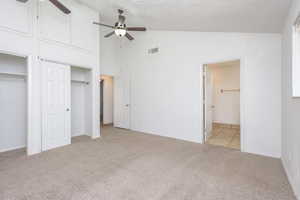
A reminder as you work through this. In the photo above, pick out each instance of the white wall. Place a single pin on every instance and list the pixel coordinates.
(107, 99)
(166, 88)
(13, 103)
(77, 109)
(108, 53)
(227, 104)
(71, 39)
(290, 106)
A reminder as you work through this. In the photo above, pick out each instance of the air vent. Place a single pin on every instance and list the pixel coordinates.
(153, 50)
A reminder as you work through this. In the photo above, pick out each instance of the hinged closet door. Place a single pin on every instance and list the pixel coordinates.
(56, 95)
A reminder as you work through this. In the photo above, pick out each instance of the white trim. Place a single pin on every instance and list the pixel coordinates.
(295, 57)
(290, 179)
(43, 59)
(12, 148)
(242, 94)
(80, 134)
(29, 101)
(43, 106)
(66, 45)
(11, 53)
(41, 35)
(30, 24)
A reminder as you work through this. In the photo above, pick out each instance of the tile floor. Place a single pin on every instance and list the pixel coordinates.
(225, 136)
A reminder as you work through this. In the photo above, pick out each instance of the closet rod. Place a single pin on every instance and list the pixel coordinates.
(232, 90)
(83, 82)
(52, 61)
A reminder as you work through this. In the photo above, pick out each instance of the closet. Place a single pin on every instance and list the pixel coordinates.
(81, 101)
(13, 102)
(66, 103)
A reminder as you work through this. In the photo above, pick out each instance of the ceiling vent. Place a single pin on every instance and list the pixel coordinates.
(153, 50)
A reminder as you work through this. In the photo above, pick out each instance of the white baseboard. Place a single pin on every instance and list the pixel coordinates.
(291, 180)
(168, 136)
(79, 134)
(12, 148)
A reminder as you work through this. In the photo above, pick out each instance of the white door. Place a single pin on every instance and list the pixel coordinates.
(56, 91)
(208, 102)
(122, 101)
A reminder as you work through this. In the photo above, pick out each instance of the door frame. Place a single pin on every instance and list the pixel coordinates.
(242, 97)
(102, 81)
(204, 82)
(94, 83)
(29, 65)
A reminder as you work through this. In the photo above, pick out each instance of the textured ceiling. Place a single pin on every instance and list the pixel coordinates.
(260, 16)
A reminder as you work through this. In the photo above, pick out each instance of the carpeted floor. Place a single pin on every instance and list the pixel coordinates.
(125, 165)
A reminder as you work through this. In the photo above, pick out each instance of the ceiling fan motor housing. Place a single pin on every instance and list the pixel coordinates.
(120, 29)
(120, 25)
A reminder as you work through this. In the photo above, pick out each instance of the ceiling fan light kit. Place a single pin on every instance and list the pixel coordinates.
(120, 28)
(120, 32)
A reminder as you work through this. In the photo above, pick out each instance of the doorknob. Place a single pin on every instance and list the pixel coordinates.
(127, 105)
(68, 109)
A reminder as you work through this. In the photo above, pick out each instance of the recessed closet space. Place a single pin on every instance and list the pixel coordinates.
(13, 102)
(81, 101)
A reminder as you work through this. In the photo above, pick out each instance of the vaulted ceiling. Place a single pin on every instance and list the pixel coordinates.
(256, 16)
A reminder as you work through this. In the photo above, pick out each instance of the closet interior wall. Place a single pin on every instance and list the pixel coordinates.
(13, 102)
(81, 101)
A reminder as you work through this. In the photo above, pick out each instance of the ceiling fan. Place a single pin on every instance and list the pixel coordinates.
(56, 3)
(120, 28)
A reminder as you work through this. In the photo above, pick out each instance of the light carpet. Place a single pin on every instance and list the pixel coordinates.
(125, 165)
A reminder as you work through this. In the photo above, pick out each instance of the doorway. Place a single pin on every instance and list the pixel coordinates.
(106, 100)
(221, 92)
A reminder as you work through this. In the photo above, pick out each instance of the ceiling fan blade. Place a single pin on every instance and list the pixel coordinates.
(129, 37)
(100, 24)
(60, 6)
(109, 34)
(136, 29)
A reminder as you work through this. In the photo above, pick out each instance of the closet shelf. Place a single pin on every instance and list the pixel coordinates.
(13, 75)
(83, 82)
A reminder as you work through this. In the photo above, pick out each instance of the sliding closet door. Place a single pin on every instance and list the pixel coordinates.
(56, 105)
